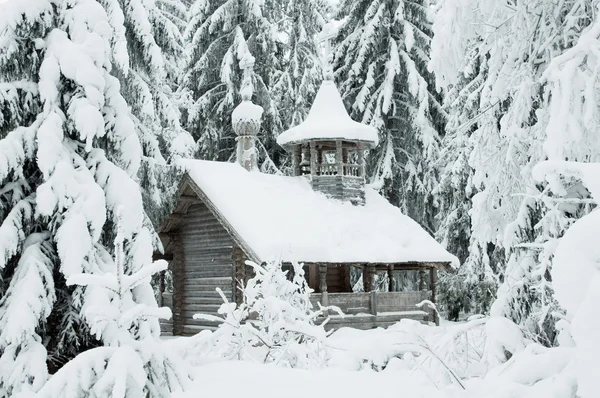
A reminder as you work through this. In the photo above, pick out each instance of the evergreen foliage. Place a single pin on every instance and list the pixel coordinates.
(218, 35)
(297, 83)
(380, 63)
(517, 122)
(274, 324)
(70, 153)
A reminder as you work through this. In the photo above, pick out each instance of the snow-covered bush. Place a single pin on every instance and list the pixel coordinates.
(274, 324)
(132, 362)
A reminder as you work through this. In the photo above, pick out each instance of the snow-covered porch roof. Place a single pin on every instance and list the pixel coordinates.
(281, 218)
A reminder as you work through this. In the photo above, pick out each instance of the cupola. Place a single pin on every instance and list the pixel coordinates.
(329, 146)
(246, 118)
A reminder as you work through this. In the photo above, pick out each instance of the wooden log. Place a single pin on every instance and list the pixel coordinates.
(323, 284)
(239, 263)
(178, 279)
(296, 159)
(160, 256)
(369, 275)
(391, 279)
(339, 157)
(161, 288)
(198, 274)
(361, 161)
(313, 159)
(347, 279)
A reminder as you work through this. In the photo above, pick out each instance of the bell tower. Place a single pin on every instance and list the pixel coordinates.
(329, 147)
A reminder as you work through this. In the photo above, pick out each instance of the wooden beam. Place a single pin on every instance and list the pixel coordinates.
(160, 256)
(391, 279)
(188, 199)
(313, 158)
(323, 284)
(339, 158)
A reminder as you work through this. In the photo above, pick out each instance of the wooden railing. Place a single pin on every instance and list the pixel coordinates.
(331, 169)
(373, 302)
(352, 170)
(328, 169)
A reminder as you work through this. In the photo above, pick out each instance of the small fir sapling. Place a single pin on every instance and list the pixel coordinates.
(275, 319)
(131, 363)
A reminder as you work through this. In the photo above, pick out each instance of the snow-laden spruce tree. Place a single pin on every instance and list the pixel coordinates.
(131, 362)
(150, 50)
(380, 63)
(296, 85)
(274, 324)
(218, 35)
(515, 127)
(472, 289)
(69, 157)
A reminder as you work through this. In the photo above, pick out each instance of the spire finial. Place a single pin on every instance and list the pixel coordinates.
(325, 37)
(247, 66)
(246, 117)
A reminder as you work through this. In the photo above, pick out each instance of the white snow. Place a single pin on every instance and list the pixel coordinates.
(328, 119)
(408, 359)
(281, 217)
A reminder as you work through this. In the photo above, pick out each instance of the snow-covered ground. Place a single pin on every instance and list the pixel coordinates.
(407, 360)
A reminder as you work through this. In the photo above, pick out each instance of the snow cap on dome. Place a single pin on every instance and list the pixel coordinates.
(329, 120)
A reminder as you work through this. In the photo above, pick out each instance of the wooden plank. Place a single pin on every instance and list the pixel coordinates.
(216, 281)
(204, 289)
(190, 309)
(206, 267)
(202, 300)
(199, 274)
(194, 295)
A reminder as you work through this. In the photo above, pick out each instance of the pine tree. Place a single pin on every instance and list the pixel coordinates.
(129, 364)
(218, 35)
(69, 157)
(381, 66)
(151, 71)
(296, 85)
(513, 217)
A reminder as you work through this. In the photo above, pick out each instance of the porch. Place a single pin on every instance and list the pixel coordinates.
(373, 295)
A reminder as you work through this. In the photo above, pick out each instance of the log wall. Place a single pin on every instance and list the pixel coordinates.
(207, 264)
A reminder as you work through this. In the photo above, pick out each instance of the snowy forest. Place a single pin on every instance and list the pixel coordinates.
(485, 110)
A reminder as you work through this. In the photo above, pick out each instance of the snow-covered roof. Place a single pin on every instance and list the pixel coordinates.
(280, 217)
(328, 119)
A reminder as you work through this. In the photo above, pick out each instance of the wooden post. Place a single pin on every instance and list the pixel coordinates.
(433, 283)
(369, 275)
(323, 284)
(178, 280)
(373, 302)
(366, 279)
(361, 161)
(339, 158)
(161, 288)
(313, 158)
(391, 280)
(239, 277)
(421, 280)
(372, 274)
(347, 279)
(296, 159)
